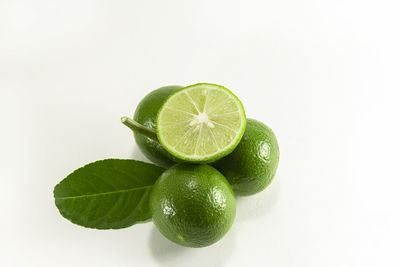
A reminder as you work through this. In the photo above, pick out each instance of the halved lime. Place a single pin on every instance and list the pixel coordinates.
(201, 123)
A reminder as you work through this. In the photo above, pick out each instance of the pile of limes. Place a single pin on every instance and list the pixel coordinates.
(212, 152)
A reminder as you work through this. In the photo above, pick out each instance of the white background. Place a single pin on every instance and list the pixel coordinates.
(324, 75)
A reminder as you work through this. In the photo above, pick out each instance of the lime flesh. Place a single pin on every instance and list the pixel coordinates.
(192, 205)
(201, 123)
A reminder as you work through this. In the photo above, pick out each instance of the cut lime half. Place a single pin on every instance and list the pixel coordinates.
(201, 123)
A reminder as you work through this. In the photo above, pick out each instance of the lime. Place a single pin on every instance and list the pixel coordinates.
(251, 167)
(145, 114)
(192, 205)
(201, 123)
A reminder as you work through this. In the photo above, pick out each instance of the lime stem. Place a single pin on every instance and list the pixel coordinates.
(138, 128)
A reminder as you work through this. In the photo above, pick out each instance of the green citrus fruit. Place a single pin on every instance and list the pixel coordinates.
(192, 205)
(201, 123)
(145, 114)
(251, 167)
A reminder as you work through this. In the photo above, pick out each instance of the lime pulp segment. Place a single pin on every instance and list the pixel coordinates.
(201, 123)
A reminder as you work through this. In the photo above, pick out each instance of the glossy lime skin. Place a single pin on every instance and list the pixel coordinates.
(146, 114)
(193, 205)
(251, 167)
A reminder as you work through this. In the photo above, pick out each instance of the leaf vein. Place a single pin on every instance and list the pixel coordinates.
(104, 193)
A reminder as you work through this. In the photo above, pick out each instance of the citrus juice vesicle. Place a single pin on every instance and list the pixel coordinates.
(201, 123)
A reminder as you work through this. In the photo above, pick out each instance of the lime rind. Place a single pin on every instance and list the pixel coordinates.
(201, 123)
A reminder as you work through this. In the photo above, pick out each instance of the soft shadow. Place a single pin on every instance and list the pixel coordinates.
(137, 154)
(259, 205)
(163, 249)
(168, 253)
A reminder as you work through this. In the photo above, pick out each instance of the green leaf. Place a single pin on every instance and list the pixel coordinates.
(107, 194)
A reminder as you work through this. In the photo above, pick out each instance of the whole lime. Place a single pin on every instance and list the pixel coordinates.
(192, 205)
(146, 114)
(251, 167)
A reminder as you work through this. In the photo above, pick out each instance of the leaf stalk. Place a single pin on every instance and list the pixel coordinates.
(138, 128)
